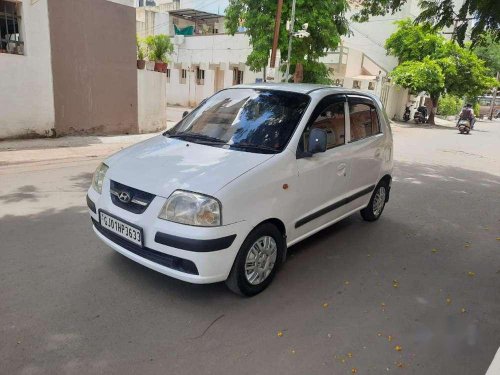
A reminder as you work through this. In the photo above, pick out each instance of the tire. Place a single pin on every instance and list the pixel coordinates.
(372, 212)
(239, 280)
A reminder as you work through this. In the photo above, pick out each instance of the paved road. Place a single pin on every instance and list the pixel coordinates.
(425, 278)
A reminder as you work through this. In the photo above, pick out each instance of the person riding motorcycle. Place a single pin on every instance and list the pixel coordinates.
(467, 114)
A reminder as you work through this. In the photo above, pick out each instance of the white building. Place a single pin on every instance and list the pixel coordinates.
(69, 67)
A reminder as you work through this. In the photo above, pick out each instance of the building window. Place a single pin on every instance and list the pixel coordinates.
(168, 75)
(356, 84)
(371, 85)
(237, 76)
(10, 28)
(183, 76)
(200, 76)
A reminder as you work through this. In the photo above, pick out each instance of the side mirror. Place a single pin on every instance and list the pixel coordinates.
(185, 113)
(317, 141)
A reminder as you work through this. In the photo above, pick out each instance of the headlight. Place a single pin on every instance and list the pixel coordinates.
(98, 178)
(191, 208)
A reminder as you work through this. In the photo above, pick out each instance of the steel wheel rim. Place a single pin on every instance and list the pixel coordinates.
(379, 201)
(260, 260)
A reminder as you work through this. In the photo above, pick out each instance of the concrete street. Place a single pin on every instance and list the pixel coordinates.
(417, 292)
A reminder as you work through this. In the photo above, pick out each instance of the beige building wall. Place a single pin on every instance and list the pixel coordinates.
(152, 101)
(93, 67)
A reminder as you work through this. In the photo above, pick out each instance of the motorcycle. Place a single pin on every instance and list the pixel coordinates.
(464, 126)
(406, 115)
(420, 116)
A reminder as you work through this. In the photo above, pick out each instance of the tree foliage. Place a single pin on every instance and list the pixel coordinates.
(327, 23)
(431, 63)
(420, 76)
(484, 14)
(489, 50)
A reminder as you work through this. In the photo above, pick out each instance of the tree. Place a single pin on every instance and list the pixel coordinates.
(420, 76)
(489, 50)
(327, 23)
(484, 14)
(431, 63)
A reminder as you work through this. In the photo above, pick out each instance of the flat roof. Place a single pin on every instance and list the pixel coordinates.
(194, 15)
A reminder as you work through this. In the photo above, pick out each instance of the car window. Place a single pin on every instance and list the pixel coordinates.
(240, 118)
(330, 116)
(364, 121)
(332, 119)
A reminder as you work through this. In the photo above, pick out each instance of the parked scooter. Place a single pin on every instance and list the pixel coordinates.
(464, 126)
(406, 115)
(420, 116)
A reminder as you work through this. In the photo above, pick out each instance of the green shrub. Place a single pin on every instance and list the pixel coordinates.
(475, 108)
(158, 47)
(449, 105)
(139, 42)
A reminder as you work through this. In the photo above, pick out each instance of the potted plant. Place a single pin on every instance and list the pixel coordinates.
(158, 48)
(141, 63)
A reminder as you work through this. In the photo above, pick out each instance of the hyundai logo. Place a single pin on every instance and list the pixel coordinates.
(124, 197)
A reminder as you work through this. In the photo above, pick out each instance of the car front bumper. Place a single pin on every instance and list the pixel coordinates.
(198, 255)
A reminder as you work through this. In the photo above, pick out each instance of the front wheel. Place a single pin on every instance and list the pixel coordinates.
(257, 260)
(377, 203)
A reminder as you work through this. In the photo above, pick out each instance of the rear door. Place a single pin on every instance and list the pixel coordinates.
(366, 144)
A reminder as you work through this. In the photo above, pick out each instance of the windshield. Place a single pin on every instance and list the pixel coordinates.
(245, 119)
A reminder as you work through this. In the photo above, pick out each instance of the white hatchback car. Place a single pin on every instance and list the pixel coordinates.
(251, 171)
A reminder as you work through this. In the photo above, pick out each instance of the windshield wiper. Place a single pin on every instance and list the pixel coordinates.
(248, 146)
(197, 137)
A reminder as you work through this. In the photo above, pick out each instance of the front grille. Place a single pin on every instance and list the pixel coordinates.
(138, 200)
(170, 261)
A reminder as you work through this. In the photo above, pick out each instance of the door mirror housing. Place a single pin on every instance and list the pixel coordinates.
(317, 141)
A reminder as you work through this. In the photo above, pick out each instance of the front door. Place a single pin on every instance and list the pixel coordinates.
(323, 177)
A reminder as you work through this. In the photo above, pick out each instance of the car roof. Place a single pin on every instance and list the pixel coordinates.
(304, 88)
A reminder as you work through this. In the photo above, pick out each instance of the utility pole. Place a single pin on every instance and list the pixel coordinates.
(292, 22)
(494, 98)
(276, 33)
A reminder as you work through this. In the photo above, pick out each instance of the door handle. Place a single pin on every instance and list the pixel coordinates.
(342, 169)
(377, 154)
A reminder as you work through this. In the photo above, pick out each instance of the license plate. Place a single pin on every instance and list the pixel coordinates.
(119, 227)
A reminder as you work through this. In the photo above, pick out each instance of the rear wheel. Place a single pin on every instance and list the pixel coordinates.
(257, 260)
(377, 203)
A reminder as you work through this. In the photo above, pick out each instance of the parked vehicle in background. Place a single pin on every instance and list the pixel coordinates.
(485, 105)
(406, 115)
(420, 116)
(251, 171)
